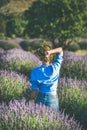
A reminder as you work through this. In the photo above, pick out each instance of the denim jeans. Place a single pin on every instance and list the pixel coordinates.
(48, 100)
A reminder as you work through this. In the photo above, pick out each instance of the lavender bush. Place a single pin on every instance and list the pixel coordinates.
(73, 98)
(12, 86)
(1, 50)
(19, 115)
(18, 60)
(8, 45)
(74, 66)
(33, 44)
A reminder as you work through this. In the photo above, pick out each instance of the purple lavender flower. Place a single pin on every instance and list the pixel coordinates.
(12, 85)
(73, 98)
(69, 82)
(71, 56)
(18, 60)
(1, 50)
(19, 54)
(21, 115)
(74, 66)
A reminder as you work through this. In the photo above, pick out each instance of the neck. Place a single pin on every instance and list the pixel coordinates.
(45, 63)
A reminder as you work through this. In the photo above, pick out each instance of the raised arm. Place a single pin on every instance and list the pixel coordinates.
(58, 57)
(54, 51)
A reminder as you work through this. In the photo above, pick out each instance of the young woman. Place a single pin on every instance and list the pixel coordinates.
(44, 79)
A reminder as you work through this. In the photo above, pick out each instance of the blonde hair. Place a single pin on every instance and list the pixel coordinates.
(42, 53)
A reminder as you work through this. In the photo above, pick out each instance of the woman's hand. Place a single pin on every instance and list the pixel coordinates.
(53, 51)
(47, 53)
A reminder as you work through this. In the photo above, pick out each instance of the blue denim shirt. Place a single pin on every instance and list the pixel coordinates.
(45, 78)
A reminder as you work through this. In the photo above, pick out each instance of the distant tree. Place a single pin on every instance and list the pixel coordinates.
(2, 25)
(15, 25)
(56, 19)
(3, 2)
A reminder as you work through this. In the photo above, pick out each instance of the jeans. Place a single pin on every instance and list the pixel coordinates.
(48, 100)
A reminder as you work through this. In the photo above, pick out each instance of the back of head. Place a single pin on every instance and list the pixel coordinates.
(41, 52)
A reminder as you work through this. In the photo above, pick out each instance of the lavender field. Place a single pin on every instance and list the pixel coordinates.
(17, 112)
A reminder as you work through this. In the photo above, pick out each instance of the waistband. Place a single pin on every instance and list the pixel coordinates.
(47, 94)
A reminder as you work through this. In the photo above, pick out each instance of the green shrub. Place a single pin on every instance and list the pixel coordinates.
(1, 50)
(2, 36)
(74, 66)
(82, 52)
(26, 45)
(2, 25)
(73, 98)
(23, 67)
(83, 45)
(15, 25)
(12, 86)
(82, 42)
(18, 60)
(8, 46)
(74, 70)
(13, 36)
(72, 47)
(33, 44)
(26, 37)
(19, 115)
(4, 2)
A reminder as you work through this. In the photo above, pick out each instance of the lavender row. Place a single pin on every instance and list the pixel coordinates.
(74, 66)
(18, 60)
(18, 54)
(12, 85)
(73, 98)
(72, 93)
(19, 115)
(71, 56)
(70, 83)
(21, 61)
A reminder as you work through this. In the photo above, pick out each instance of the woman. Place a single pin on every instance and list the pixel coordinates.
(44, 79)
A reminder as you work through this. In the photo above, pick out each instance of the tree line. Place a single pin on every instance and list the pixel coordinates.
(48, 19)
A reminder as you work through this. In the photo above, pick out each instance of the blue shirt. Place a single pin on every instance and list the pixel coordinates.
(45, 78)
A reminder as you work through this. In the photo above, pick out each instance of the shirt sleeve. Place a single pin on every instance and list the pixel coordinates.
(58, 60)
(33, 82)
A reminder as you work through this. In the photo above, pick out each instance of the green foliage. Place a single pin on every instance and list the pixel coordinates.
(73, 101)
(74, 69)
(26, 45)
(12, 86)
(15, 25)
(19, 115)
(2, 36)
(3, 2)
(1, 50)
(50, 19)
(19, 61)
(83, 45)
(82, 42)
(13, 36)
(72, 47)
(2, 25)
(8, 46)
(33, 45)
(23, 67)
(82, 52)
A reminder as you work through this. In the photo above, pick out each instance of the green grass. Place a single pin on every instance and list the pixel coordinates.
(82, 52)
